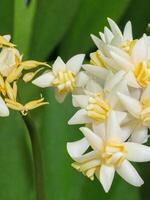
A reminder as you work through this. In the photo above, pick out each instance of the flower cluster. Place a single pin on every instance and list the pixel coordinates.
(112, 94)
(13, 68)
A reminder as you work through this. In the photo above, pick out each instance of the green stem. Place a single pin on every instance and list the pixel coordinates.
(37, 157)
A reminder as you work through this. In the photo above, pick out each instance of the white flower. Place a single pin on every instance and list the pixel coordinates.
(97, 102)
(140, 112)
(108, 155)
(64, 78)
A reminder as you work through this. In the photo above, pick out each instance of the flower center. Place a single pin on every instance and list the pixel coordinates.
(114, 154)
(128, 45)
(64, 81)
(97, 108)
(145, 114)
(142, 73)
(96, 59)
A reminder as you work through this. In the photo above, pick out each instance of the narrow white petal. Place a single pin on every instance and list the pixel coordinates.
(60, 97)
(59, 65)
(131, 80)
(140, 135)
(127, 33)
(123, 62)
(80, 100)
(112, 128)
(99, 129)
(74, 63)
(102, 36)
(146, 93)
(129, 174)
(77, 148)
(108, 35)
(97, 71)
(131, 105)
(94, 140)
(4, 112)
(45, 80)
(140, 51)
(93, 86)
(120, 116)
(7, 37)
(81, 79)
(114, 27)
(113, 80)
(80, 117)
(97, 41)
(137, 152)
(106, 176)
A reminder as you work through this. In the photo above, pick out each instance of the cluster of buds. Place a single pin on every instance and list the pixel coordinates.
(13, 68)
(112, 94)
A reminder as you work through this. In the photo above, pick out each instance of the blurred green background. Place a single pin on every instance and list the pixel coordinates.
(43, 29)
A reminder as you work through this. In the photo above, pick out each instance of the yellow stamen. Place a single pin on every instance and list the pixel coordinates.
(64, 81)
(128, 45)
(97, 108)
(4, 42)
(96, 59)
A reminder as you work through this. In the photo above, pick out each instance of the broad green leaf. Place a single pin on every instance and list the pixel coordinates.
(138, 14)
(52, 19)
(91, 18)
(16, 169)
(23, 24)
(6, 17)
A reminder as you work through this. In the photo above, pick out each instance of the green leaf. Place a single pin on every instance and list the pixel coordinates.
(139, 15)
(91, 18)
(52, 19)
(6, 17)
(16, 170)
(23, 24)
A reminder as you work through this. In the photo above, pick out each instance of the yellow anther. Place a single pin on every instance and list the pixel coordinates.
(64, 81)
(113, 154)
(11, 92)
(96, 59)
(142, 74)
(97, 108)
(4, 42)
(30, 64)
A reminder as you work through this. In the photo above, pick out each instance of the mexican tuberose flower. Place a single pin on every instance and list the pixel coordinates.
(64, 78)
(108, 155)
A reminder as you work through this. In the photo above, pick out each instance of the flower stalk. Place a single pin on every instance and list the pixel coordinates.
(37, 157)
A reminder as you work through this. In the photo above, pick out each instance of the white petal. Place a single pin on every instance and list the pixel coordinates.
(77, 148)
(129, 174)
(146, 93)
(106, 176)
(113, 80)
(4, 112)
(131, 80)
(97, 71)
(126, 132)
(59, 65)
(102, 36)
(80, 117)
(113, 129)
(123, 62)
(120, 116)
(93, 86)
(97, 41)
(114, 27)
(131, 105)
(108, 35)
(99, 129)
(127, 33)
(80, 100)
(140, 135)
(81, 79)
(45, 80)
(137, 152)
(93, 139)
(140, 51)
(60, 97)
(74, 63)
(7, 37)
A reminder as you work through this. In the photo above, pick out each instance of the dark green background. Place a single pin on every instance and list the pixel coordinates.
(42, 30)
